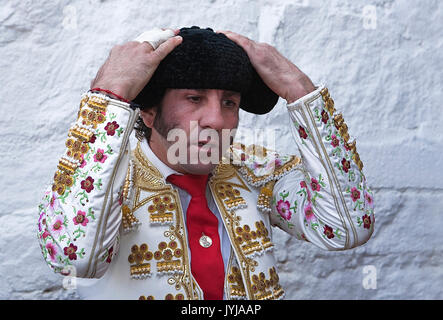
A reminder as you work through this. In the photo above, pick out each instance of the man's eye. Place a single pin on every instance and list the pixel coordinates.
(194, 98)
(230, 103)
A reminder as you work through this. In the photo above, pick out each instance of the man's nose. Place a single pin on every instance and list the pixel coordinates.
(212, 115)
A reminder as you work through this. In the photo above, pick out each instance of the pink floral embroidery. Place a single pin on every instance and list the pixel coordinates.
(335, 142)
(80, 218)
(92, 139)
(57, 227)
(324, 117)
(42, 222)
(328, 232)
(302, 132)
(84, 163)
(54, 204)
(283, 209)
(309, 213)
(111, 127)
(100, 156)
(70, 251)
(315, 186)
(355, 194)
(366, 221)
(369, 199)
(109, 258)
(52, 250)
(87, 184)
(45, 234)
(346, 165)
(303, 185)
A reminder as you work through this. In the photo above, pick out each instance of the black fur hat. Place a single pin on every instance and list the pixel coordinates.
(209, 60)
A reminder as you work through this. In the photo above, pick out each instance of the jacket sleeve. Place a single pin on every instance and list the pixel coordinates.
(80, 213)
(325, 199)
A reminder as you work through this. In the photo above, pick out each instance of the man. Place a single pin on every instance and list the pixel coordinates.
(150, 227)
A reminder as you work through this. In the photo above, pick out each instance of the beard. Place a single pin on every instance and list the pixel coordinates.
(187, 161)
(161, 126)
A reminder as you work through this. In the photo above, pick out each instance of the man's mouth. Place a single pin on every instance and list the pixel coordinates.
(202, 143)
(207, 144)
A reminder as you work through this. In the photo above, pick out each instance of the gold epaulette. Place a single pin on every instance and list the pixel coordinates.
(262, 167)
(341, 127)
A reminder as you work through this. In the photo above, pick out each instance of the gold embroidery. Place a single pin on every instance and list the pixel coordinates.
(264, 289)
(343, 131)
(274, 171)
(62, 179)
(225, 190)
(266, 181)
(129, 221)
(95, 115)
(83, 102)
(288, 166)
(76, 148)
(178, 296)
(161, 209)
(127, 185)
(80, 133)
(265, 196)
(232, 221)
(230, 196)
(237, 288)
(77, 144)
(167, 251)
(329, 103)
(249, 240)
(258, 151)
(140, 270)
(169, 296)
(147, 176)
(223, 172)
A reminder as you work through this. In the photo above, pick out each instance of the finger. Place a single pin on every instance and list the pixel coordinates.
(166, 47)
(148, 46)
(176, 31)
(242, 41)
(155, 36)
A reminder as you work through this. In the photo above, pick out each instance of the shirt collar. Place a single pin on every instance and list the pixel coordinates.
(164, 169)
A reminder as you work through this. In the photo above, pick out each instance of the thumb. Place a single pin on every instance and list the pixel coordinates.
(166, 47)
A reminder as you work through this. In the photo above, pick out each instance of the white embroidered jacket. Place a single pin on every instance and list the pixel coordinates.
(110, 214)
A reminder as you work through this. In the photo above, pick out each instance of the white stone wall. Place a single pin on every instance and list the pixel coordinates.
(381, 59)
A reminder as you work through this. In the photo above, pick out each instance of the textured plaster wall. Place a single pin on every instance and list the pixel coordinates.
(381, 59)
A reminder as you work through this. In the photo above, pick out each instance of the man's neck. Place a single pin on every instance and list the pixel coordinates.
(159, 148)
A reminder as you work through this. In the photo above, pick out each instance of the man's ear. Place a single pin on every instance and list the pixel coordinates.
(148, 116)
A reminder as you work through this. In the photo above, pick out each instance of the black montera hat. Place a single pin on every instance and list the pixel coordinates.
(209, 60)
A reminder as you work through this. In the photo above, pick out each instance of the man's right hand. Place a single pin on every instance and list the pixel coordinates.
(130, 66)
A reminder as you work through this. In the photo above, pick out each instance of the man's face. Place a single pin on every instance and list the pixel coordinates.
(200, 126)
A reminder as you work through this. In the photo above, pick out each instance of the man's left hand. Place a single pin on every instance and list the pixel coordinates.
(278, 73)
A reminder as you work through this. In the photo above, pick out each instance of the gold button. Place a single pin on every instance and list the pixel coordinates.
(205, 241)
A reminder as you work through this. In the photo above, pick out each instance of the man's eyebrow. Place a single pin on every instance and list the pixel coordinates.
(228, 93)
(231, 93)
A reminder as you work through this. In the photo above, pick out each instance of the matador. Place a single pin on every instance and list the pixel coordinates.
(133, 209)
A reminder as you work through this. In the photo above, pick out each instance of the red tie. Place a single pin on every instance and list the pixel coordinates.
(206, 259)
